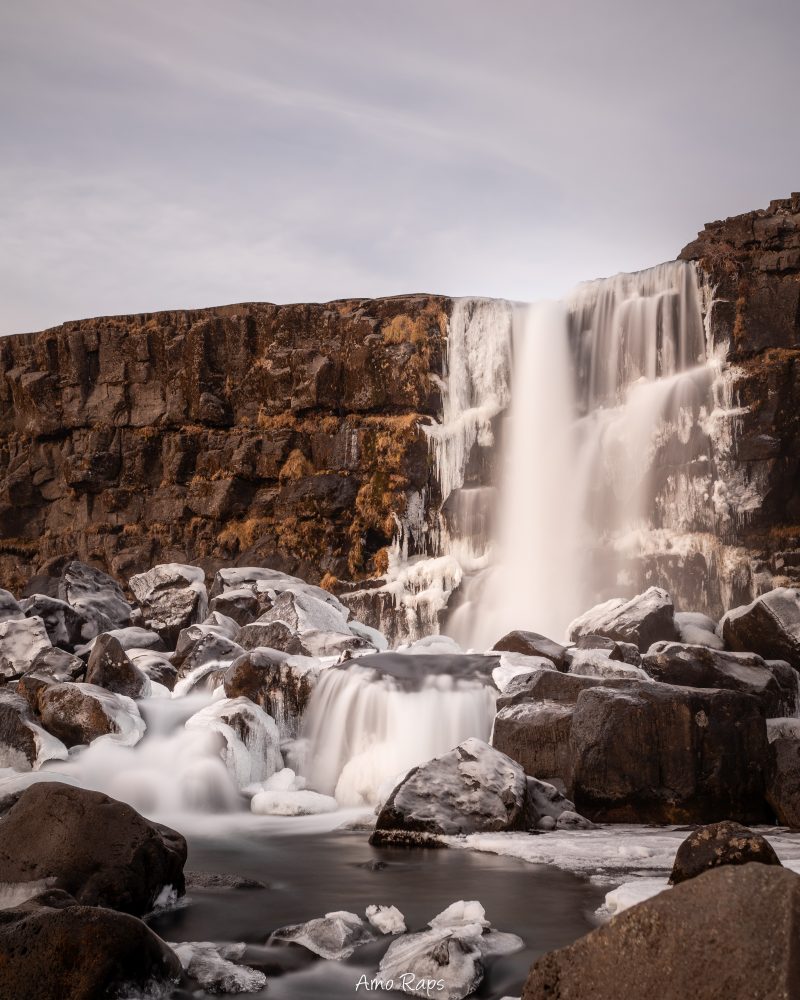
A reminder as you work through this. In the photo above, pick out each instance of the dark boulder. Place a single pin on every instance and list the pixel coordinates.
(770, 626)
(547, 685)
(53, 949)
(473, 788)
(282, 688)
(23, 742)
(172, 596)
(98, 850)
(609, 646)
(718, 844)
(58, 664)
(642, 620)
(702, 667)
(783, 781)
(66, 627)
(664, 754)
(110, 667)
(21, 640)
(537, 736)
(532, 644)
(242, 605)
(728, 933)
(272, 635)
(78, 713)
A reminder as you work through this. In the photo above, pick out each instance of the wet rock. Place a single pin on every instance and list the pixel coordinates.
(537, 736)
(172, 596)
(110, 667)
(718, 844)
(77, 714)
(100, 851)
(471, 789)
(642, 620)
(23, 743)
(9, 607)
(558, 687)
(770, 626)
(21, 640)
(550, 809)
(58, 664)
(64, 951)
(730, 932)
(702, 667)
(156, 666)
(601, 643)
(65, 626)
(96, 595)
(334, 936)
(220, 880)
(783, 781)
(532, 644)
(665, 754)
(282, 686)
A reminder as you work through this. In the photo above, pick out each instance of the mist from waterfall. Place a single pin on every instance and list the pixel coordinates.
(607, 388)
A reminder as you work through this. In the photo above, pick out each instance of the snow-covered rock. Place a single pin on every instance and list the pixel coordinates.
(630, 893)
(698, 629)
(294, 802)
(281, 684)
(130, 637)
(642, 620)
(596, 663)
(96, 595)
(21, 640)
(66, 627)
(172, 596)
(110, 667)
(269, 582)
(386, 919)
(24, 745)
(9, 606)
(334, 936)
(770, 626)
(252, 743)
(470, 789)
(82, 713)
(215, 968)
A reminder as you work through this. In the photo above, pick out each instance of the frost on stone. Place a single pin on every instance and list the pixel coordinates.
(252, 743)
(214, 968)
(386, 919)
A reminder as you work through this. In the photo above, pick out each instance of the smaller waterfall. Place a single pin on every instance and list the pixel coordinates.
(372, 720)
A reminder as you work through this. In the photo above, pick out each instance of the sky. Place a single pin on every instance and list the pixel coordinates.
(186, 153)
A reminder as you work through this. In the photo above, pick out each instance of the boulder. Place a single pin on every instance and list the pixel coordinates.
(100, 851)
(272, 635)
(155, 665)
(770, 626)
(537, 736)
(547, 685)
(21, 639)
(9, 607)
(96, 595)
(532, 644)
(549, 809)
(598, 663)
(215, 967)
(783, 729)
(77, 714)
(66, 627)
(599, 642)
(718, 844)
(731, 932)
(281, 685)
(663, 754)
(783, 781)
(207, 648)
(172, 596)
(242, 605)
(132, 637)
(110, 667)
(642, 620)
(251, 749)
(53, 949)
(702, 667)
(473, 788)
(58, 664)
(23, 743)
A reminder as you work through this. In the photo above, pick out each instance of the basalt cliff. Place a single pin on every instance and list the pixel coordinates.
(291, 436)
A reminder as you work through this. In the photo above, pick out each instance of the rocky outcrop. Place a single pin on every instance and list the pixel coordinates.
(100, 851)
(731, 932)
(283, 434)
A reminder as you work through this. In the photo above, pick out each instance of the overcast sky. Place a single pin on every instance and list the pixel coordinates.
(182, 153)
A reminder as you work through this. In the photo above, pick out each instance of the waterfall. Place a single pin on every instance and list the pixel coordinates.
(603, 453)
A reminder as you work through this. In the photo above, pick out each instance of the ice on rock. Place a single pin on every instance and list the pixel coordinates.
(431, 645)
(515, 665)
(9, 607)
(131, 637)
(128, 725)
(369, 634)
(697, 629)
(594, 663)
(462, 913)
(96, 595)
(292, 803)
(630, 893)
(386, 919)
(214, 968)
(271, 582)
(252, 743)
(21, 639)
(334, 936)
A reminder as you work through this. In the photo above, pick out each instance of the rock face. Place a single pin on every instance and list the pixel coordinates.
(471, 789)
(288, 433)
(783, 782)
(720, 844)
(731, 932)
(769, 626)
(642, 620)
(100, 851)
(57, 950)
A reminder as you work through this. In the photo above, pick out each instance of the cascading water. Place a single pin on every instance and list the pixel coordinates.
(610, 398)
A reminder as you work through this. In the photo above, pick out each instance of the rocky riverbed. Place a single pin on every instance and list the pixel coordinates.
(354, 811)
